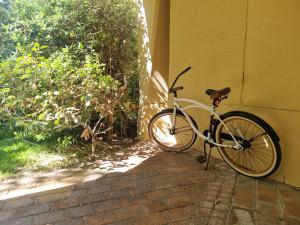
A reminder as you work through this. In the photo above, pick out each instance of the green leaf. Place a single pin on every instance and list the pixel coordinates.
(24, 76)
(42, 116)
(5, 90)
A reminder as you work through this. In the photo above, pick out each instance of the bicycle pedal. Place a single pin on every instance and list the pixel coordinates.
(201, 159)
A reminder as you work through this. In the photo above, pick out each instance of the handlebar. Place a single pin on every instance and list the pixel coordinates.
(183, 72)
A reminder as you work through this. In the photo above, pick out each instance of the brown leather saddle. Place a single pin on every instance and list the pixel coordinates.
(215, 94)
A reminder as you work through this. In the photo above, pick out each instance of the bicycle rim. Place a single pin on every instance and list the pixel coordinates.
(259, 157)
(160, 131)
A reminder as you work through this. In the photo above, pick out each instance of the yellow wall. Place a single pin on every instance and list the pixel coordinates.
(253, 47)
(154, 56)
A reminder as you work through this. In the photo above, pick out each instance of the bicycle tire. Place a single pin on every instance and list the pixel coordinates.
(258, 152)
(154, 125)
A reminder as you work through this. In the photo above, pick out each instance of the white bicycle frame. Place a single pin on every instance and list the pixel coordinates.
(212, 110)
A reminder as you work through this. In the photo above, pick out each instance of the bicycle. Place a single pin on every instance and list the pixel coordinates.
(246, 142)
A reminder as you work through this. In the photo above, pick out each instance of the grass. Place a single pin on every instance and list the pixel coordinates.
(18, 155)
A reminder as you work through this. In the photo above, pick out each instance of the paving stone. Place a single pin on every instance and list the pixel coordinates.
(98, 189)
(268, 213)
(85, 185)
(245, 183)
(142, 189)
(2, 205)
(123, 184)
(226, 189)
(291, 221)
(206, 204)
(289, 193)
(21, 221)
(80, 211)
(133, 199)
(292, 208)
(214, 188)
(8, 214)
(183, 222)
(32, 210)
(52, 197)
(216, 221)
(213, 193)
(220, 214)
(18, 202)
(291, 200)
(78, 221)
(154, 193)
(267, 193)
(198, 220)
(244, 199)
(178, 201)
(131, 221)
(224, 201)
(159, 194)
(210, 198)
(49, 218)
(131, 211)
(117, 194)
(109, 205)
(158, 205)
(221, 206)
(79, 193)
(176, 214)
(64, 203)
(93, 198)
(100, 218)
(154, 219)
(241, 216)
(198, 211)
(54, 190)
(225, 195)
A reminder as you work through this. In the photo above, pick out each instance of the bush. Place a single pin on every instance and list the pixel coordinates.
(58, 92)
(66, 64)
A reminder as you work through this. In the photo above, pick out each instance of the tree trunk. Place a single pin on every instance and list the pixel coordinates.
(124, 124)
(94, 143)
(111, 125)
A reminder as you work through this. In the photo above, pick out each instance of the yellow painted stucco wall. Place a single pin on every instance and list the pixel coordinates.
(250, 45)
(154, 60)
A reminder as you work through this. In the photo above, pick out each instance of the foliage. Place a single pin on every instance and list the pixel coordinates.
(4, 8)
(58, 92)
(106, 27)
(67, 63)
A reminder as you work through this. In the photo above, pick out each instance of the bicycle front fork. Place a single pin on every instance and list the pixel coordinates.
(173, 122)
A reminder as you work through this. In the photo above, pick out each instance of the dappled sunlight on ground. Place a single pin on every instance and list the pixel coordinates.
(165, 188)
(114, 159)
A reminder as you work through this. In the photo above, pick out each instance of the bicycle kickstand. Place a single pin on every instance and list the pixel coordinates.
(205, 158)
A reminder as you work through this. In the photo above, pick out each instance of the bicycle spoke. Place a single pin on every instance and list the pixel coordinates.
(256, 158)
(257, 136)
(161, 132)
(182, 131)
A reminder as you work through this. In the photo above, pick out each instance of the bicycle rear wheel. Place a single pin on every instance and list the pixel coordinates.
(183, 136)
(261, 153)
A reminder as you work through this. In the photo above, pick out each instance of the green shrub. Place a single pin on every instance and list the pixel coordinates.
(66, 64)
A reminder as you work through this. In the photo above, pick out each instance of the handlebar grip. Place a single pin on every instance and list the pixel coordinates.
(187, 69)
(176, 89)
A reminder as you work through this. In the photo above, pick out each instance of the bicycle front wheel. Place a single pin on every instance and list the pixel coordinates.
(179, 139)
(261, 154)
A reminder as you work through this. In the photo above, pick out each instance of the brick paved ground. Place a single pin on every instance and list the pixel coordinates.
(167, 188)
